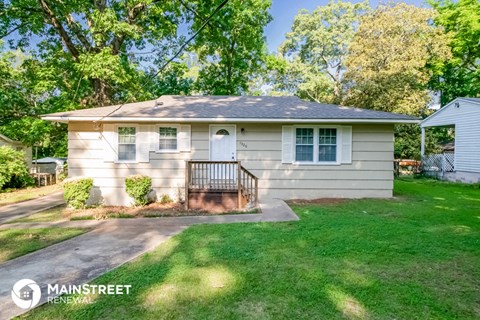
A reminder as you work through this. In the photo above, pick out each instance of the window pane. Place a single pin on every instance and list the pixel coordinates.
(168, 138)
(126, 131)
(304, 136)
(168, 144)
(304, 153)
(126, 139)
(327, 153)
(126, 152)
(327, 136)
(327, 145)
(168, 132)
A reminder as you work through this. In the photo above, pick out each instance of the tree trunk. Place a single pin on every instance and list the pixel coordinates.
(101, 94)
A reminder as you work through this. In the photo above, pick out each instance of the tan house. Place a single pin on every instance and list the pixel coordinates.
(18, 146)
(216, 149)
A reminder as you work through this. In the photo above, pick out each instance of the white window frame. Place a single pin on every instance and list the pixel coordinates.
(157, 138)
(127, 125)
(316, 141)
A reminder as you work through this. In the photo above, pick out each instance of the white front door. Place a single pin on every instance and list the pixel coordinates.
(223, 143)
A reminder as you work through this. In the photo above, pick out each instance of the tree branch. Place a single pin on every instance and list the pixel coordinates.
(78, 32)
(132, 15)
(18, 26)
(60, 29)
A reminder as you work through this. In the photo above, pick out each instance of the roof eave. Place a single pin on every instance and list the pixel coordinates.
(225, 120)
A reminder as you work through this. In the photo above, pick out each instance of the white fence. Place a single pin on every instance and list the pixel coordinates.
(438, 164)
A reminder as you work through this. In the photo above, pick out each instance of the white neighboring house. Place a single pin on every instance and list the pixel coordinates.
(462, 114)
(226, 149)
(17, 145)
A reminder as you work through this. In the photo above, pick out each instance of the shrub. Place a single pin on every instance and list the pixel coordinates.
(77, 191)
(13, 169)
(64, 173)
(138, 187)
(166, 199)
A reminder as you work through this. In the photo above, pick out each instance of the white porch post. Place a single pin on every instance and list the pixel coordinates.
(422, 150)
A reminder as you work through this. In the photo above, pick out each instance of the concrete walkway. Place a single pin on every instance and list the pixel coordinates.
(25, 208)
(111, 243)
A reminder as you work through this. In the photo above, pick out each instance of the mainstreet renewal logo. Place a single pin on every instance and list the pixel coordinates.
(26, 293)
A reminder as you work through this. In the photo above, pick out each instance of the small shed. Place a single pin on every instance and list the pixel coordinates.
(463, 162)
(49, 165)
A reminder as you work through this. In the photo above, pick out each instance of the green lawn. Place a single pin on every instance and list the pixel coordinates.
(19, 195)
(17, 242)
(413, 257)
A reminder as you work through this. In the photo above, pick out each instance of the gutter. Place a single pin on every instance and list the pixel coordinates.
(226, 120)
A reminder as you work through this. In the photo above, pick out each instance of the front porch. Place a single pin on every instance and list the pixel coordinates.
(219, 186)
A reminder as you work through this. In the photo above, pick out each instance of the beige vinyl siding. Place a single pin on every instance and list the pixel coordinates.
(86, 158)
(259, 149)
(369, 175)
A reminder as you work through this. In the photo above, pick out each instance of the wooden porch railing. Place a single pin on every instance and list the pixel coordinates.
(221, 176)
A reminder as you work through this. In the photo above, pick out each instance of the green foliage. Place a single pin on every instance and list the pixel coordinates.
(387, 66)
(77, 191)
(459, 76)
(408, 142)
(232, 46)
(13, 169)
(138, 187)
(388, 58)
(64, 173)
(318, 46)
(84, 54)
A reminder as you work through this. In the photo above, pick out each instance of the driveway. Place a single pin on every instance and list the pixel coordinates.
(25, 208)
(111, 243)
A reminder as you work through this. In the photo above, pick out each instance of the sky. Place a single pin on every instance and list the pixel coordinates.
(284, 12)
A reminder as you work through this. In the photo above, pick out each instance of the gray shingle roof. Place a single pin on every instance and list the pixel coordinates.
(227, 107)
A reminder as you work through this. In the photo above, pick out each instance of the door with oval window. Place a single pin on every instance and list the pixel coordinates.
(223, 147)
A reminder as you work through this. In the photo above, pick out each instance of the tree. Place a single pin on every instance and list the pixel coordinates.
(459, 76)
(232, 47)
(387, 65)
(388, 59)
(94, 40)
(20, 89)
(317, 48)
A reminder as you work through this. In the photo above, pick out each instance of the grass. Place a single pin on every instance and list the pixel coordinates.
(50, 215)
(18, 242)
(413, 257)
(19, 195)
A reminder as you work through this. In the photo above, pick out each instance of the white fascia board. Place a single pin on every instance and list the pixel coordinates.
(433, 115)
(442, 109)
(224, 120)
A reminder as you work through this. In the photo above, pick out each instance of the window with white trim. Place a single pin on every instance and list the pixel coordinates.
(327, 144)
(127, 148)
(304, 144)
(167, 140)
(316, 144)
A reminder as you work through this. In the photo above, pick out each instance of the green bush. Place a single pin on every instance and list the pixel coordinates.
(77, 191)
(13, 169)
(138, 187)
(166, 199)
